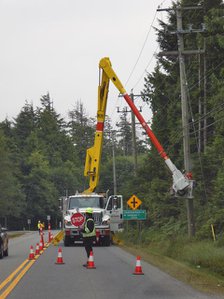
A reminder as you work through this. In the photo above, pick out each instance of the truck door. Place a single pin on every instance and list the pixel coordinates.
(114, 208)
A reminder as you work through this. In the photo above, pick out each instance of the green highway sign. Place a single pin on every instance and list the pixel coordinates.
(134, 214)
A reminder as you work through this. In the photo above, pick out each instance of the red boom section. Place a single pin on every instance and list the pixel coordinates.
(99, 126)
(149, 132)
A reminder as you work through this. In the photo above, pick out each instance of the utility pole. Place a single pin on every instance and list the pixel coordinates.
(134, 147)
(185, 119)
(114, 166)
(199, 104)
(205, 100)
(184, 102)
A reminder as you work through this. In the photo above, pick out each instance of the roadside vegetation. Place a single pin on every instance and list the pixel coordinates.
(199, 263)
(15, 234)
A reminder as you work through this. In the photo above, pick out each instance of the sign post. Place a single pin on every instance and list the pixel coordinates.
(134, 202)
(48, 220)
(29, 222)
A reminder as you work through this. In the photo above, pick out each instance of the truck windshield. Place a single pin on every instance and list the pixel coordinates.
(86, 202)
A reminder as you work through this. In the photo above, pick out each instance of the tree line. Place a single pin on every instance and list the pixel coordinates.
(42, 155)
(42, 159)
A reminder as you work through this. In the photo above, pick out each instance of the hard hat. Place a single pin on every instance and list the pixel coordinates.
(89, 210)
(39, 221)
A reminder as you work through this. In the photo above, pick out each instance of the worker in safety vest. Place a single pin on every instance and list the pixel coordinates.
(39, 226)
(88, 233)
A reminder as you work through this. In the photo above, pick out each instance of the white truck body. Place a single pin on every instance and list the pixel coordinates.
(107, 214)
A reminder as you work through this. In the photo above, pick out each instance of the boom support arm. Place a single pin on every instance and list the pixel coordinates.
(93, 154)
(181, 183)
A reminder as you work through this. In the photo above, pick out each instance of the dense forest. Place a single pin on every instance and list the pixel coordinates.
(42, 155)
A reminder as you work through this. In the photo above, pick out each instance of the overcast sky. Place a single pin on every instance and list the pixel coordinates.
(55, 46)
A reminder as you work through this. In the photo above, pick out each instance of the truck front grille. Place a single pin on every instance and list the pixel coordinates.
(97, 218)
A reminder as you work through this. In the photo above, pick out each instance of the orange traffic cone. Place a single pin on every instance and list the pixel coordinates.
(97, 236)
(31, 255)
(90, 264)
(49, 237)
(37, 252)
(59, 258)
(41, 246)
(49, 233)
(138, 267)
(42, 236)
(52, 236)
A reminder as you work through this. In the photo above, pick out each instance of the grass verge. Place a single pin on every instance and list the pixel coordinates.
(15, 235)
(197, 276)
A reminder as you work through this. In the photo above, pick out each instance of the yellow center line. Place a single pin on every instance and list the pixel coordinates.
(10, 277)
(19, 277)
(16, 280)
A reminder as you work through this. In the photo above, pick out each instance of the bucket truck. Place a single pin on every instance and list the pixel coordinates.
(108, 211)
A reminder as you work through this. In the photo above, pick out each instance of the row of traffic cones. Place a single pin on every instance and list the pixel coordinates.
(90, 262)
(40, 246)
(38, 251)
(91, 265)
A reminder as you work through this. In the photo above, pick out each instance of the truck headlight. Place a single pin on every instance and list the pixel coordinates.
(67, 222)
(106, 220)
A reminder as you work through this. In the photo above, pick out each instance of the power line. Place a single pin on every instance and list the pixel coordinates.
(143, 46)
(148, 64)
(150, 60)
(209, 73)
(209, 125)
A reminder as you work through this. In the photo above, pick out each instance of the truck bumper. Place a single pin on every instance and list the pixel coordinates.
(72, 236)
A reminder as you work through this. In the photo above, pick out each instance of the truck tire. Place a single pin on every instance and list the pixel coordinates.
(1, 251)
(67, 241)
(6, 252)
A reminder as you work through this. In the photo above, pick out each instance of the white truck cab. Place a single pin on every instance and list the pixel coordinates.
(107, 214)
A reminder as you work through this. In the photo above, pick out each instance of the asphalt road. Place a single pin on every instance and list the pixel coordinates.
(112, 277)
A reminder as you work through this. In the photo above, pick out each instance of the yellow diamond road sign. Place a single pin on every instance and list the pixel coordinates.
(134, 202)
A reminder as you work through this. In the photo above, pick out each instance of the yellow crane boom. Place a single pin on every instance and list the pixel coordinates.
(93, 154)
(182, 184)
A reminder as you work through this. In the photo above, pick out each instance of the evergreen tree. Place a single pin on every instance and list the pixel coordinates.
(52, 133)
(163, 90)
(81, 129)
(23, 126)
(11, 195)
(41, 193)
(124, 134)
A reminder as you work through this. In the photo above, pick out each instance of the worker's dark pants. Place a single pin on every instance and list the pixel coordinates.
(88, 243)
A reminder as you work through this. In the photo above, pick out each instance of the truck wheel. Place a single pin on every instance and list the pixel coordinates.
(6, 252)
(1, 251)
(67, 241)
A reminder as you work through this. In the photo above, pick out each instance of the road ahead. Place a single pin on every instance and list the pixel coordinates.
(112, 277)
